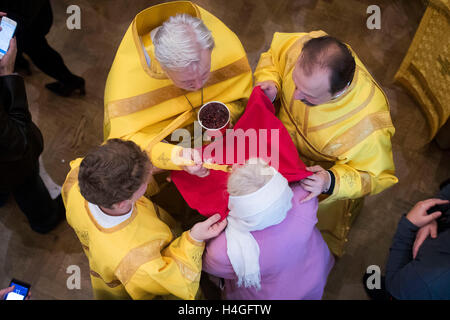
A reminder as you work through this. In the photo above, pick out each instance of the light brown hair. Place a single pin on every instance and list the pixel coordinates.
(113, 172)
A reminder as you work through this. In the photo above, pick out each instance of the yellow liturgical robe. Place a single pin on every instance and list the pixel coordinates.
(350, 135)
(139, 258)
(143, 105)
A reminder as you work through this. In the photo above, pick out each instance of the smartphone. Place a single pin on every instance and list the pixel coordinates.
(20, 292)
(7, 32)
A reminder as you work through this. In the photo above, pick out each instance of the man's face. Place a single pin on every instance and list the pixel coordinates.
(193, 78)
(314, 89)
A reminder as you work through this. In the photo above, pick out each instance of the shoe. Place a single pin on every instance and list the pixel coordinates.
(59, 215)
(66, 90)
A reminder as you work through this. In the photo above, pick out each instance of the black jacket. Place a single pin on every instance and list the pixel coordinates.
(427, 276)
(21, 142)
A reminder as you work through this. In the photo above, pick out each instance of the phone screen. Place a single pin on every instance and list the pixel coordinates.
(6, 34)
(20, 292)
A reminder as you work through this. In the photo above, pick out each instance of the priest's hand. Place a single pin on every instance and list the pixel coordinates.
(8, 60)
(269, 88)
(317, 183)
(210, 228)
(197, 168)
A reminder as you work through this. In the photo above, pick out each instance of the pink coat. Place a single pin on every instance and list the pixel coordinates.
(294, 259)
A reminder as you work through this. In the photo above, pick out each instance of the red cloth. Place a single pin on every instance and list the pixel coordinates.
(209, 195)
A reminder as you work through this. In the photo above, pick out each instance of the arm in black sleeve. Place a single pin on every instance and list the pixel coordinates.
(332, 183)
(444, 220)
(402, 280)
(15, 118)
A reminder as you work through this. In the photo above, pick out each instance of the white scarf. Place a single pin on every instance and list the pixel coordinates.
(255, 211)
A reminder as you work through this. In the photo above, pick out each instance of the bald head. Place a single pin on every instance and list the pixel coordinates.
(329, 55)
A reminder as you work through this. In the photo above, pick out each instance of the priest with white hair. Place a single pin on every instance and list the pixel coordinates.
(174, 58)
(271, 248)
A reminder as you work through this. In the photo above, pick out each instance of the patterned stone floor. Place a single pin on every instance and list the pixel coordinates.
(72, 126)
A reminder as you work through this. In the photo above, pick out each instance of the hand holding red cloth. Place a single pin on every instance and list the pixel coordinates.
(266, 138)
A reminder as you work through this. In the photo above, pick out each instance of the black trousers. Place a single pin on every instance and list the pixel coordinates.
(31, 40)
(32, 197)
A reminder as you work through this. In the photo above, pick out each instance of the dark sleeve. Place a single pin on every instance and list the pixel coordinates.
(402, 279)
(332, 183)
(15, 118)
(444, 220)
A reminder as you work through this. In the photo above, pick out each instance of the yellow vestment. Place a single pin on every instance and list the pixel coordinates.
(138, 258)
(350, 135)
(143, 105)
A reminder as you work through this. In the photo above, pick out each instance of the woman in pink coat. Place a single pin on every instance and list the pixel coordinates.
(271, 248)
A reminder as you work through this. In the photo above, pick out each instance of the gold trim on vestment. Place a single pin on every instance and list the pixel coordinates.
(359, 132)
(312, 148)
(305, 121)
(112, 284)
(136, 257)
(175, 124)
(366, 183)
(153, 17)
(347, 115)
(337, 182)
(115, 228)
(123, 107)
(71, 179)
(185, 271)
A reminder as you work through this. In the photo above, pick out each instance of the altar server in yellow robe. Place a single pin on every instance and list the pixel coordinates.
(339, 119)
(173, 58)
(129, 241)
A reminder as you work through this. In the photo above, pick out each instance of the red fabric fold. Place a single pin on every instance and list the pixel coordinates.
(264, 136)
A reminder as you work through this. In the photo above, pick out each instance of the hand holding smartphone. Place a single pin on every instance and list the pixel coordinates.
(8, 27)
(20, 292)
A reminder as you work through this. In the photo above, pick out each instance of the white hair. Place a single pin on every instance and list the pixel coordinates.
(180, 39)
(249, 178)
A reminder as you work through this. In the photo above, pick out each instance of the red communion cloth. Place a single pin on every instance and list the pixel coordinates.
(258, 133)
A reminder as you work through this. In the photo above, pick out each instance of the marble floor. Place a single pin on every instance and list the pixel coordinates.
(71, 126)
